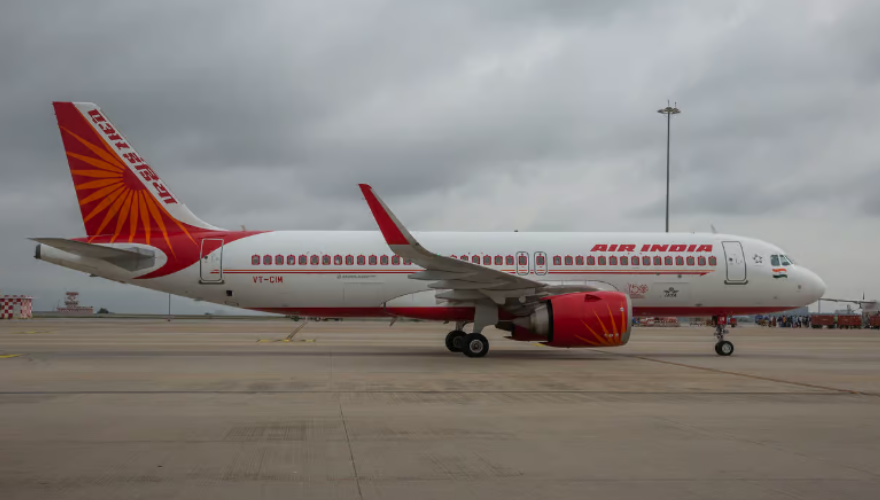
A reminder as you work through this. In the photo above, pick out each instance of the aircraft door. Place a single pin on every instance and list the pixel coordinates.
(522, 263)
(211, 261)
(736, 263)
(540, 263)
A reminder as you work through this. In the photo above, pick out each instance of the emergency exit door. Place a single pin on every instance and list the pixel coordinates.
(522, 263)
(211, 261)
(735, 260)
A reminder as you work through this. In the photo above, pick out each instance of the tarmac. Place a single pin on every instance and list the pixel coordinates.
(144, 409)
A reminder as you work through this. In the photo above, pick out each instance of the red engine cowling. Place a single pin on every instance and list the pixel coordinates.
(590, 319)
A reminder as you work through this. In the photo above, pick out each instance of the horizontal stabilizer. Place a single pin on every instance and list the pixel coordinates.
(130, 259)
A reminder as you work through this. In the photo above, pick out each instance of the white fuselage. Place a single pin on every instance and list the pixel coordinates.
(697, 274)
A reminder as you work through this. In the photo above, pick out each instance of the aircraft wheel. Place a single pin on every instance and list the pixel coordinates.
(455, 340)
(724, 348)
(475, 345)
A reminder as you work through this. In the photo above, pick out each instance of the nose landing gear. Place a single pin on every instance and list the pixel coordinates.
(722, 347)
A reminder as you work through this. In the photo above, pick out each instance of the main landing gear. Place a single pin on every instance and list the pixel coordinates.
(722, 347)
(472, 345)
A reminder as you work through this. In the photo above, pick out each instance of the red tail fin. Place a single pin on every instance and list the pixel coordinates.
(119, 194)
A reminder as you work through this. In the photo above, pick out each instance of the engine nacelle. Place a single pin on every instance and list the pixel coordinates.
(589, 319)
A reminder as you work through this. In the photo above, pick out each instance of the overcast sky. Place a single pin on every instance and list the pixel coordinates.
(464, 114)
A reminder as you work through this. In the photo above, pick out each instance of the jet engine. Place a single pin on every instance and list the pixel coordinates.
(588, 319)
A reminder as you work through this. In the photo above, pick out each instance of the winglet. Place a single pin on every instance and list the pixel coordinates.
(392, 229)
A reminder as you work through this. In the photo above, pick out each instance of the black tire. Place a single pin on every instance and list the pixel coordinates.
(454, 340)
(724, 348)
(475, 345)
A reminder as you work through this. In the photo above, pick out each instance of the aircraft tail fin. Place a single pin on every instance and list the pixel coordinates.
(119, 193)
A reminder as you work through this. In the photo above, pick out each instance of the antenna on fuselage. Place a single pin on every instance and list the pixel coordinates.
(714, 231)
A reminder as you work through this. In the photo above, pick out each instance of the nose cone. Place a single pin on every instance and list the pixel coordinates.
(813, 286)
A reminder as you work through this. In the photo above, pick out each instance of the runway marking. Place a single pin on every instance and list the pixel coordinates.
(2, 356)
(746, 375)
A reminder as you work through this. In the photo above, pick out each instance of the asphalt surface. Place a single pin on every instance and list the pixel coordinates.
(124, 409)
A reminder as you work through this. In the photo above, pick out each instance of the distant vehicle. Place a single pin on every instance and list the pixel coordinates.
(823, 320)
(562, 289)
(847, 321)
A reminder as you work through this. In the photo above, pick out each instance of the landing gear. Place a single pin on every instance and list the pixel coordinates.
(455, 340)
(475, 345)
(722, 347)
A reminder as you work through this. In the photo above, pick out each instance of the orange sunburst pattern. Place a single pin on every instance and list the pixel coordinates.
(593, 319)
(113, 199)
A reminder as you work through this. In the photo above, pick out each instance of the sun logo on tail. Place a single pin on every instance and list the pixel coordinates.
(110, 192)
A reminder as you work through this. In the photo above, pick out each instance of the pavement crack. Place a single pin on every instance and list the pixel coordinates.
(354, 469)
(746, 375)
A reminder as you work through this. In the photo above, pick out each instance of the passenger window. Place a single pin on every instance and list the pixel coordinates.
(591, 261)
(337, 260)
(508, 261)
(624, 261)
(701, 260)
(568, 260)
(646, 261)
(407, 262)
(557, 260)
(267, 260)
(315, 260)
(383, 260)
(303, 260)
(658, 261)
(667, 261)
(373, 260)
(475, 259)
(291, 260)
(499, 260)
(325, 260)
(349, 260)
(713, 261)
(255, 260)
(579, 260)
(523, 260)
(279, 260)
(602, 260)
(774, 260)
(690, 261)
(395, 260)
(679, 261)
(362, 260)
(612, 261)
(487, 260)
(539, 260)
(464, 258)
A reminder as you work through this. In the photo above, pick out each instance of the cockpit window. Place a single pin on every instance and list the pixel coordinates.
(784, 260)
(774, 260)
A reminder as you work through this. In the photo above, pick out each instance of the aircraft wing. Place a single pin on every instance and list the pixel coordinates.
(463, 281)
(130, 259)
(867, 305)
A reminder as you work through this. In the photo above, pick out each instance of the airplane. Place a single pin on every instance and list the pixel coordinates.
(560, 289)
